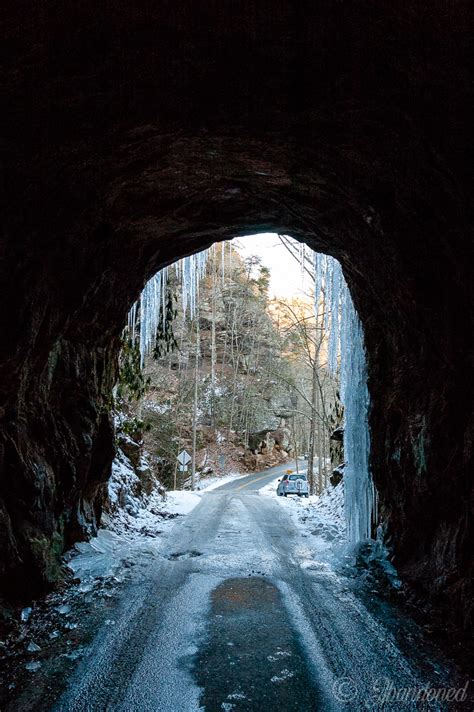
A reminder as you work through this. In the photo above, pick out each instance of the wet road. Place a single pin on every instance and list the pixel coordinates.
(232, 618)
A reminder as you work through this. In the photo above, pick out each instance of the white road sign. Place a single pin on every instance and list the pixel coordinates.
(184, 457)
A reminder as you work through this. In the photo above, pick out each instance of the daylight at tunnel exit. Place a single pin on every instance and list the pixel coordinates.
(236, 412)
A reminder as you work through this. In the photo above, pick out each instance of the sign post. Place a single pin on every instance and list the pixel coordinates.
(184, 458)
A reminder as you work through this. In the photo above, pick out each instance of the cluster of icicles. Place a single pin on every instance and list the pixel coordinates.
(346, 344)
(145, 315)
(151, 306)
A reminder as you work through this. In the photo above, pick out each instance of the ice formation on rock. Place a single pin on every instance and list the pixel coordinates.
(144, 316)
(346, 349)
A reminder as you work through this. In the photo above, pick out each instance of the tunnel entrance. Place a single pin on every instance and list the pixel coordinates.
(338, 350)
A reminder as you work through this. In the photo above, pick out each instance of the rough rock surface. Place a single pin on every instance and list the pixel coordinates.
(136, 133)
(267, 440)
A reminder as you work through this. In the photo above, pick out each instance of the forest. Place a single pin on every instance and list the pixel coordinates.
(241, 384)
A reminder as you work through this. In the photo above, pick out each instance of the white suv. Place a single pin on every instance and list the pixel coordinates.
(293, 484)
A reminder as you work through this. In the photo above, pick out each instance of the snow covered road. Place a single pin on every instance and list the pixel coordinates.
(332, 651)
(234, 611)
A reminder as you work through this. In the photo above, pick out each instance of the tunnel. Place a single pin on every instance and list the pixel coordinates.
(139, 133)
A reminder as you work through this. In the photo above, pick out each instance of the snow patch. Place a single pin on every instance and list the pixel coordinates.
(322, 516)
(285, 674)
(122, 483)
(237, 695)
(128, 538)
(320, 522)
(158, 408)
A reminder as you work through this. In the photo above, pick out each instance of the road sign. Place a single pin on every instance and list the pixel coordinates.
(184, 457)
(183, 468)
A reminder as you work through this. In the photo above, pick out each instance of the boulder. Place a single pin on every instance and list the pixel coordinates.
(282, 436)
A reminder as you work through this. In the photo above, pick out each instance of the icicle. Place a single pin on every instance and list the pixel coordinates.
(132, 321)
(346, 340)
(152, 302)
(334, 298)
(359, 488)
(328, 270)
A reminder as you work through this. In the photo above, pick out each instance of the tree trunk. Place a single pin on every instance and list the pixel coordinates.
(312, 426)
(213, 345)
(195, 406)
(320, 446)
(295, 446)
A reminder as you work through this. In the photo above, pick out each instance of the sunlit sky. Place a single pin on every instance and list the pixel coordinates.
(286, 278)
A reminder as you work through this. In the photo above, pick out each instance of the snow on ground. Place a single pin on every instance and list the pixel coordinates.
(323, 514)
(137, 525)
(124, 538)
(319, 520)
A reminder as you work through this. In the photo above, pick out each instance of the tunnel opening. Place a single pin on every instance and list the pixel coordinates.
(78, 506)
(342, 346)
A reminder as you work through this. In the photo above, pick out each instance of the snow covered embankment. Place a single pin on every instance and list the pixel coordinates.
(320, 521)
(134, 524)
(321, 517)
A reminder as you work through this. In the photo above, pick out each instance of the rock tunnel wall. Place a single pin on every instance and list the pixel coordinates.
(139, 133)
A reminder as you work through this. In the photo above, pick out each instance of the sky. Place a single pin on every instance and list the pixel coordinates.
(286, 279)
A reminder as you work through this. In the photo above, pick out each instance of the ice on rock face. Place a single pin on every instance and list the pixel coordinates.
(144, 316)
(33, 648)
(151, 308)
(346, 344)
(25, 614)
(360, 495)
(33, 666)
(64, 609)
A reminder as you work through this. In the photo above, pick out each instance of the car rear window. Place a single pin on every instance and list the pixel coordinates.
(297, 477)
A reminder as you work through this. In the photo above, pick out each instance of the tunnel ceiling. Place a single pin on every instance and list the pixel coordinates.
(139, 132)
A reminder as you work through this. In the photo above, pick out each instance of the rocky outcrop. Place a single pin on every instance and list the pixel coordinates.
(132, 479)
(336, 450)
(336, 475)
(267, 440)
(281, 437)
(56, 453)
(137, 134)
